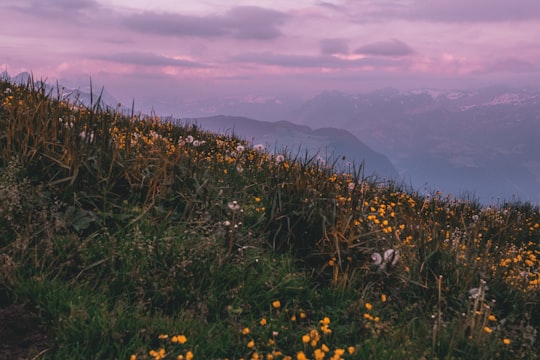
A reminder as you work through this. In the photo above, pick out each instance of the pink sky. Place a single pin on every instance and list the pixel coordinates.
(166, 49)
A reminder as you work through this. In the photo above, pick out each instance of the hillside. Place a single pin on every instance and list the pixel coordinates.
(127, 237)
(327, 144)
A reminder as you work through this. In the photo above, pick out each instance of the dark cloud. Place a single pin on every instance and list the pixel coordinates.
(328, 5)
(149, 59)
(512, 65)
(333, 46)
(453, 11)
(475, 11)
(53, 7)
(306, 61)
(243, 22)
(392, 47)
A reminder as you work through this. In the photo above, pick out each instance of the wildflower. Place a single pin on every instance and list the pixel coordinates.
(233, 205)
(245, 331)
(488, 330)
(276, 304)
(369, 306)
(189, 139)
(280, 158)
(240, 148)
(262, 322)
(163, 336)
(189, 355)
(181, 339)
(251, 344)
(351, 186)
(196, 143)
(306, 339)
(492, 317)
(301, 356)
(134, 357)
(507, 341)
(258, 147)
(319, 354)
(383, 297)
(351, 350)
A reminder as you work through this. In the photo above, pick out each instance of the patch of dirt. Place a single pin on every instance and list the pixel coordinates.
(22, 335)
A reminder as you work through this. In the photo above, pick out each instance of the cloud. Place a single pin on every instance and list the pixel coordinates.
(309, 61)
(333, 46)
(53, 7)
(392, 47)
(475, 11)
(243, 22)
(449, 11)
(512, 65)
(149, 59)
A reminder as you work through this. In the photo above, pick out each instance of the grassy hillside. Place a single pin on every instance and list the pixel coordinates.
(123, 237)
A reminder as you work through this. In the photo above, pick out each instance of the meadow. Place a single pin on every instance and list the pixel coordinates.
(129, 237)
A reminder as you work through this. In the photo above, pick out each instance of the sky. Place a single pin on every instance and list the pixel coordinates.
(164, 49)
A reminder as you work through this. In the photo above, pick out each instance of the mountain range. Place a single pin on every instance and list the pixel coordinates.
(481, 143)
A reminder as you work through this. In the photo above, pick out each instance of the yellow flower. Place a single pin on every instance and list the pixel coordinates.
(276, 304)
(351, 350)
(163, 336)
(507, 341)
(189, 355)
(369, 306)
(383, 297)
(245, 331)
(251, 344)
(319, 354)
(181, 339)
(488, 329)
(306, 338)
(492, 317)
(134, 357)
(301, 356)
(325, 321)
(262, 322)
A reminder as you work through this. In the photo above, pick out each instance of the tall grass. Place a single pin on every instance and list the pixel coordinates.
(134, 237)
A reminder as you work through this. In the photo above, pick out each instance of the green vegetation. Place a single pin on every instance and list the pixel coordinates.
(134, 238)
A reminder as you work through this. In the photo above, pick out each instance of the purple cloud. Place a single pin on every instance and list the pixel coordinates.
(244, 22)
(392, 47)
(308, 61)
(450, 11)
(149, 59)
(53, 7)
(333, 46)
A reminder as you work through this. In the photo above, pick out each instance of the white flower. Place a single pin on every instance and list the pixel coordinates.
(196, 143)
(189, 139)
(227, 223)
(387, 260)
(233, 205)
(377, 258)
(258, 147)
(280, 158)
(90, 136)
(351, 186)
(240, 148)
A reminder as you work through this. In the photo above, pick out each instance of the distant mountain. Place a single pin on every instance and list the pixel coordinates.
(327, 143)
(484, 142)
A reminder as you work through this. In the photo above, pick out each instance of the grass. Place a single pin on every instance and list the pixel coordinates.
(132, 237)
